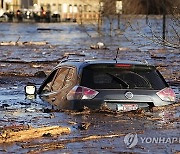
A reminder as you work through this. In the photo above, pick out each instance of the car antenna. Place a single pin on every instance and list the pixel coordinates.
(117, 52)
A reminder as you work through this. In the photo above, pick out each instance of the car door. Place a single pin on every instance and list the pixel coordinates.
(56, 90)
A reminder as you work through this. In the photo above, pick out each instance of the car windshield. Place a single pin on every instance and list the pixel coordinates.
(125, 77)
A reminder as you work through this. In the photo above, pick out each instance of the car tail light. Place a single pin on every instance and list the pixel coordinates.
(79, 92)
(167, 94)
(123, 65)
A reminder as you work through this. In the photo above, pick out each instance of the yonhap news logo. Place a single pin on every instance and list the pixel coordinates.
(132, 139)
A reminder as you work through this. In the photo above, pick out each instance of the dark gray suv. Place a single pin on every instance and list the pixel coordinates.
(116, 85)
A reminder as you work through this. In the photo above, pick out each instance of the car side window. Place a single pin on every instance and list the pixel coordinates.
(60, 78)
(46, 87)
(70, 79)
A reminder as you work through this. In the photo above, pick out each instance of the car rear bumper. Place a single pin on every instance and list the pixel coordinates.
(101, 104)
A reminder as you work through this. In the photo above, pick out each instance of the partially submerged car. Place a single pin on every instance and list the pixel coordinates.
(114, 84)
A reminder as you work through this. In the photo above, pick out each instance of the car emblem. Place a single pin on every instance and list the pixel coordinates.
(129, 95)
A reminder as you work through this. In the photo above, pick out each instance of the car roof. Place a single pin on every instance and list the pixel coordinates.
(82, 63)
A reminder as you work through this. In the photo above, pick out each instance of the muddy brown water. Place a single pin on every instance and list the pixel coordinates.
(161, 123)
(16, 110)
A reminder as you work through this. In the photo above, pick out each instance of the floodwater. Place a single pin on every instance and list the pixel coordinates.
(19, 64)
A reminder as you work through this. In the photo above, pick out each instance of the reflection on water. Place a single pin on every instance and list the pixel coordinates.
(72, 35)
(29, 32)
(167, 118)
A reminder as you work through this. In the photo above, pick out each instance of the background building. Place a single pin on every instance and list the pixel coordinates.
(26, 4)
(10, 5)
(88, 9)
(71, 9)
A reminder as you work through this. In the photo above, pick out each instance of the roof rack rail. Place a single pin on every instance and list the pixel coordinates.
(67, 55)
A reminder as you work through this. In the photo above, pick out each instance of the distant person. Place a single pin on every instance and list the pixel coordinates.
(19, 15)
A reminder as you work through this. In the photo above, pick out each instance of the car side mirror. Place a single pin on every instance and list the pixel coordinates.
(30, 91)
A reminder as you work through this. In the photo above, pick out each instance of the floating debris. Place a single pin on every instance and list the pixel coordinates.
(157, 57)
(84, 125)
(99, 45)
(22, 135)
(49, 29)
(40, 74)
(11, 43)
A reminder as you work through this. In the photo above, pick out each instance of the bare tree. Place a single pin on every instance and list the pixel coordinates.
(162, 24)
(166, 30)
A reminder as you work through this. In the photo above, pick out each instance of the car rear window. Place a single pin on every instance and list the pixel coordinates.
(122, 77)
